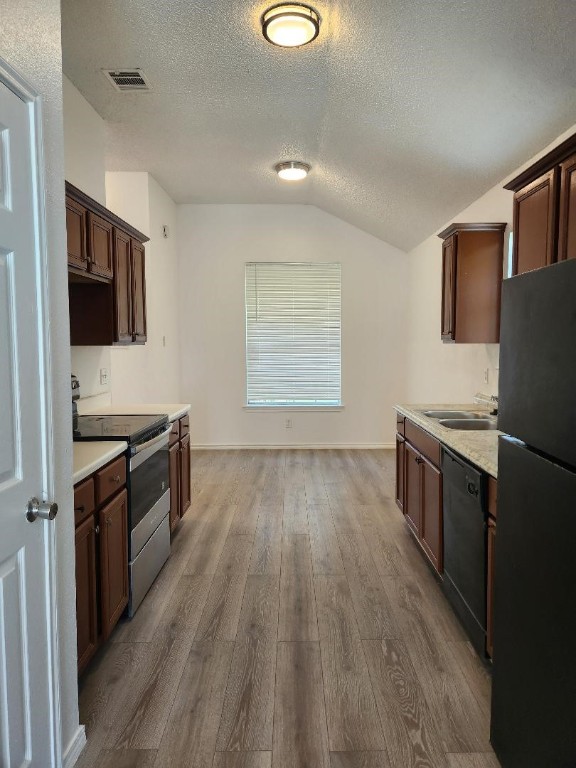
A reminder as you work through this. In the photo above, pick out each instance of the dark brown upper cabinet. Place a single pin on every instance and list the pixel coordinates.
(448, 292)
(106, 275)
(100, 246)
(567, 236)
(545, 210)
(123, 287)
(138, 293)
(76, 235)
(472, 267)
(535, 224)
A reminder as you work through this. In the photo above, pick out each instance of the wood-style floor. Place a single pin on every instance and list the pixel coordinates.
(295, 625)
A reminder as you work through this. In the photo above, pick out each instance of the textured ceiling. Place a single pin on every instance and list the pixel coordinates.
(408, 110)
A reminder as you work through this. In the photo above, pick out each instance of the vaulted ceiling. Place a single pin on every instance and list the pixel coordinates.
(408, 110)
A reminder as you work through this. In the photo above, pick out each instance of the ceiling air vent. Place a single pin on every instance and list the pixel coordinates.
(127, 79)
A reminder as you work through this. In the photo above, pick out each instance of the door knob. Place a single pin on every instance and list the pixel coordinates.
(43, 509)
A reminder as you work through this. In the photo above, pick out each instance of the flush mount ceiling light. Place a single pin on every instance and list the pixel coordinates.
(290, 24)
(292, 170)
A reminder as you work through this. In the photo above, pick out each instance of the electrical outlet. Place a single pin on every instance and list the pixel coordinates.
(165, 231)
(288, 423)
(103, 376)
(486, 375)
(163, 341)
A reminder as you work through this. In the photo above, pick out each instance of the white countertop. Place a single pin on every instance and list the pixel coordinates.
(481, 447)
(174, 410)
(90, 456)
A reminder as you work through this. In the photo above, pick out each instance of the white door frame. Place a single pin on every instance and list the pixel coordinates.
(22, 89)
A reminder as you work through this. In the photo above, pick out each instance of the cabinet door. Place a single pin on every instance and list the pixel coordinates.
(448, 286)
(113, 561)
(86, 592)
(174, 454)
(100, 246)
(122, 288)
(431, 523)
(535, 224)
(400, 452)
(412, 488)
(490, 587)
(138, 293)
(567, 237)
(76, 234)
(185, 497)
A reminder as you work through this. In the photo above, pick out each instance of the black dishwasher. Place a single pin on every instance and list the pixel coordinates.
(465, 544)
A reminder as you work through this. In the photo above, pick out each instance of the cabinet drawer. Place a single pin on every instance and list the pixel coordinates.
(400, 424)
(174, 435)
(83, 500)
(110, 480)
(184, 425)
(492, 496)
(425, 443)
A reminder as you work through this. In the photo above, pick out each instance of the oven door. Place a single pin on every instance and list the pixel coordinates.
(149, 490)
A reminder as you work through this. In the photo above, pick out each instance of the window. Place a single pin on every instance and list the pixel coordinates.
(293, 334)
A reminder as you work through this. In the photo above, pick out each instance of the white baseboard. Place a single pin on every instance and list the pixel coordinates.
(74, 748)
(303, 446)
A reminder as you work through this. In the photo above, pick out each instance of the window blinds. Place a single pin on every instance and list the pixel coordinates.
(293, 313)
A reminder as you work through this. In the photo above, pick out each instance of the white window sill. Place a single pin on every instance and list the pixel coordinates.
(279, 408)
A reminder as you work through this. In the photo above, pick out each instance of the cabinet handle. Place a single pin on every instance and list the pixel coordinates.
(115, 479)
(473, 489)
(79, 509)
(97, 530)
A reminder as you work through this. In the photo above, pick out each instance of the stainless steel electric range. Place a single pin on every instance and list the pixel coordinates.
(148, 491)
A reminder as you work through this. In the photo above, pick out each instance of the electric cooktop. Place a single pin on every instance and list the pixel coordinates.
(132, 428)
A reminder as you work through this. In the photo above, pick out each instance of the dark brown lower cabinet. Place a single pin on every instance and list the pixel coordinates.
(179, 453)
(400, 458)
(101, 562)
(412, 488)
(174, 454)
(113, 562)
(490, 586)
(86, 592)
(431, 534)
(185, 497)
(419, 485)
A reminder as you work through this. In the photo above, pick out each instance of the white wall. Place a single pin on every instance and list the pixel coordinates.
(438, 372)
(451, 373)
(135, 374)
(215, 241)
(30, 42)
(84, 143)
(84, 166)
(149, 373)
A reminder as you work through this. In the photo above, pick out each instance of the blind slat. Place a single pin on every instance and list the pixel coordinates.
(293, 333)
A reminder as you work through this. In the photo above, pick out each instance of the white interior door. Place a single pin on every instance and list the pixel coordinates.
(27, 654)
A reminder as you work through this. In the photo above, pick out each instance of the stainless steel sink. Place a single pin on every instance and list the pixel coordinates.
(452, 415)
(470, 424)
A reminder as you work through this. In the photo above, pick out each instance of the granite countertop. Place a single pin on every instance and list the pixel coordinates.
(174, 410)
(481, 447)
(88, 457)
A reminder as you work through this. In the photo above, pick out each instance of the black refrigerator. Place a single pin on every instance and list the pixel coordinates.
(534, 672)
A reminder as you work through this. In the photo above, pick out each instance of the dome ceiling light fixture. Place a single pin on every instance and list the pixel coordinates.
(290, 25)
(292, 170)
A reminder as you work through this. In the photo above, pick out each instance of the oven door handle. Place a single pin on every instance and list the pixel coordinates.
(143, 452)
